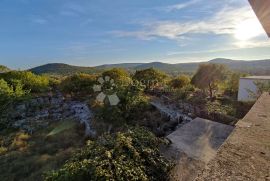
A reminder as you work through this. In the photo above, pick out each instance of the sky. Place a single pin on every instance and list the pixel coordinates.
(95, 32)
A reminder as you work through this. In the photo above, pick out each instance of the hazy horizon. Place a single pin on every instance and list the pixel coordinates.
(143, 62)
(94, 33)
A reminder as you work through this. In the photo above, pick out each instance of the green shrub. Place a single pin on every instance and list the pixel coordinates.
(150, 77)
(9, 93)
(132, 155)
(120, 76)
(29, 81)
(180, 82)
(185, 92)
(132, 103)
(78, 84)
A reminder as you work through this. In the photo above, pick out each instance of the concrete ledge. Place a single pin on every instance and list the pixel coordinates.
(246, 153)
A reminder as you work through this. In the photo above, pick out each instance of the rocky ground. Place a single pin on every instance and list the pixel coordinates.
(38, 112)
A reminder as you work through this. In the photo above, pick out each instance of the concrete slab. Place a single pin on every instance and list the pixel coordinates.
(199, 139)
(245, 155)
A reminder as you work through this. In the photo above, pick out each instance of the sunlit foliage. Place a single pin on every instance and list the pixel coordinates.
(150, 77)
(179, 82)
(78, 84)
(120, 76)
(131, 155)
(29, 81)
(208, 76)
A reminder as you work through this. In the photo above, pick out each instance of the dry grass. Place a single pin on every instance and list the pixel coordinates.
(29, 157)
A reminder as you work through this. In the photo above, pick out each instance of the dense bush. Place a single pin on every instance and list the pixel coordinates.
(179, 82)
(132, 103)
(132, 155)
(120, 76)
(150, 77)
(185, 92)
(9, 93)
(78, 84)
(29, 81)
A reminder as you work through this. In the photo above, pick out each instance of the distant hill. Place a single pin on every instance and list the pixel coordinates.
(170, 68)
(256, 67)
(120, 65)
(61, 69)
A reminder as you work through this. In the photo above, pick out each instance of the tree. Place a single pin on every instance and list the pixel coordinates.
(150, 77)
(180, 82)
(208, 76)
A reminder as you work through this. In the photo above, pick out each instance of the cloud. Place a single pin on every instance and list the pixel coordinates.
(179, 6)
(223, 22)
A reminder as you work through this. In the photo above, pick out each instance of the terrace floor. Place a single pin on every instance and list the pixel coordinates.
(245, 155)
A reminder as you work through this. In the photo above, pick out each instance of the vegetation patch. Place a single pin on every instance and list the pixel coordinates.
(28, 157)
(130, 155)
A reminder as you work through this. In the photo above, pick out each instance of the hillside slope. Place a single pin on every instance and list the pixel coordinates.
(256, 67)
(61, 69)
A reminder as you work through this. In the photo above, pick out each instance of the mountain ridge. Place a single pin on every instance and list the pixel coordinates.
(253, 67)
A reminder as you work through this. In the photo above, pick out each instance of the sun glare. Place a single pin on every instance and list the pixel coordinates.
(248, 29)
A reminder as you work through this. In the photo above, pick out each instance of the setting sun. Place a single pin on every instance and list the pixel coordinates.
(248, 29)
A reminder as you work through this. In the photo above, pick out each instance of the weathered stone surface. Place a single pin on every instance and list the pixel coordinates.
(200, 138)
(84, 115)
(246, 153)
(193, 145)
(37, 112)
